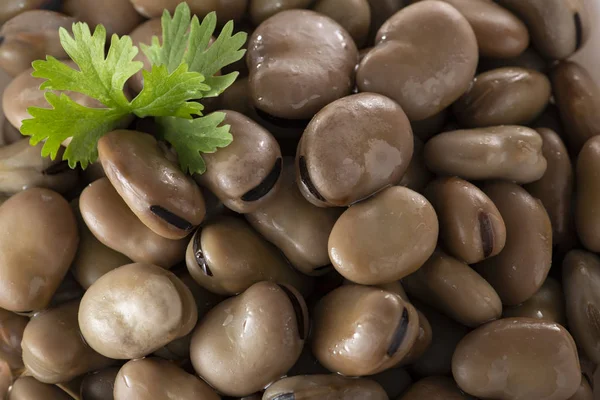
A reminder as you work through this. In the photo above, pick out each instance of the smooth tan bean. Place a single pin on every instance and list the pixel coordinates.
(261, 10)
(38, 242)
(471, 227)
(434, 388)
(501, 152)
(587, 206)
(353, 15)
(28, 388)
(548, 304)
(11, 335)
(248, 341)
(225, 9)
(520, 269)
(361, 330)
(385, 238)
(115, 15)
(518, 358)
(134, 310)
(12, 8)
(422, 343)
(116, 226)
(442, 64)
(324, 387)
(6, 378)
(454, 288)
(99, 385)
(584, 392)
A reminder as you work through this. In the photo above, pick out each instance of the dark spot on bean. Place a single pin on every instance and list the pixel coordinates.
(171, 218)
(282, 122)
(399, 334)
(285, 396)
(297, 310)
(1, 40)
(487, 233)
(56, 169)
(593, 317)
(305, 178)
(266, 185)
(199, 255)
(578, 31)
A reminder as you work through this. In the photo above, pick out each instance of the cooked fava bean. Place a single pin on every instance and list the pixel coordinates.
(522, 266)
(12, 8)
(417, 176)
(578, 99)
(6, 378)
(500, 34)
(555, 188)
(31, 36)
(99, 385)
(68, 290)
(299, 61)
(500, 152)
(115, 15)
(225, 9)
(54, 350)
(385, 238)
(353, 148)
(548, 304)
(28, 388)
(428, 127)
(434, 388)
(584, 392)
(529, 59)
(518, 358)
(260, 333)
(381, 11)
(246, 173)
(353, 15)
(422, 343)
(11, 335)
(117, 227)
(443, 59)
(38, 242)
(503, 96)
(361, 330)
(226, 256)
(134, 310)
(261, 10)
(22, 167)
(581, 280)
(587, 207)
(557, 27)
(471, 227)
(297, 227)
(454, 288)
(321, 387)
(149, 379)
(155, 189)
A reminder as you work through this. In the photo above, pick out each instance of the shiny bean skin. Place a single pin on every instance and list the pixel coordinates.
(422, 343)
(115, 15)
(587, 205)
(518, 358)
(261, 10)
(12, 8)
(502, 152)
(434, 388)
(11, 335)
(324, 387)
(28, 388)
(548, 304)
(528, 59)
(353, 15)
(417, 176)
(225, 9)
(99, 385)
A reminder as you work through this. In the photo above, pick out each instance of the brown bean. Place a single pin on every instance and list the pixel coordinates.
(587, 206)
(324, 387)
(422, 343)
(548, 304)
(417, 176)
(99, 385)
(261, 10)
(353, 15)
(12, 8)
(28, 388)
(529, 59)
(115, 15)
(225, 9)
(11, 335)
(434, 388)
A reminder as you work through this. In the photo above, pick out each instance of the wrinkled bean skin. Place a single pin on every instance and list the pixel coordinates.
(54, 350)
(246, 173)
(518, 359)
(261, 10)
(11, 334)
(226, 256)
(297, 227)
(353, 15)
(471, 227)
(373, 145)
(12, 8)
(454, 288)
(38, 242)
(581, 281)
(555, 188)
(134, 310)
(155, 189)
(504, 96)
(117, 227)
(578, 99)
(500, 34)
(361, 330)
(149, 379)
(31, 36)
(520, 269)
(529, 59)
(28, 388)
(261, 332)
(325, 387)
(99, 385)
(385, 238)
(557, 27)
(587, 206)
(548, 304)
(512, 153)
(296, 84)
(225, 9)
(117, 16)
(434, 388)
(426, 85)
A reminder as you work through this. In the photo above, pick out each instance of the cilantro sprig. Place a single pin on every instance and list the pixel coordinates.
(184, 69)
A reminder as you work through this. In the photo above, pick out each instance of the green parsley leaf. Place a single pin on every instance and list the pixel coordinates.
(192, 137)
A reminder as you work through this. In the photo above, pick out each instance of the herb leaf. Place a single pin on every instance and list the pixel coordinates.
(192, 137)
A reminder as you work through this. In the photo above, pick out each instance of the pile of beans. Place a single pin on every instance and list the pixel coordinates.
(410, 209)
